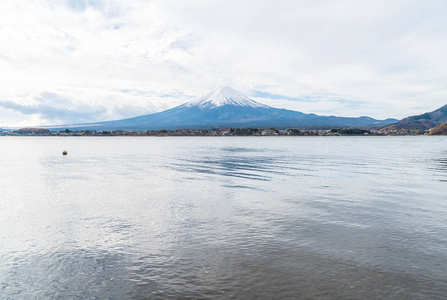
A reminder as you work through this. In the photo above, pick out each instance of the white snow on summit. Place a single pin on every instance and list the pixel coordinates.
(224, 96)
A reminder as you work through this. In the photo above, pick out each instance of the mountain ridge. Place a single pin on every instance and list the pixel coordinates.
(423, 121)
(225, 107)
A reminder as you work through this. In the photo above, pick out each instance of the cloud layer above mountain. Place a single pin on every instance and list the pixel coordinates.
(80, 61)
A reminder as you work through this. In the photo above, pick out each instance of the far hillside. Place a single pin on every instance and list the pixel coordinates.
(439, 130)
(420, 122)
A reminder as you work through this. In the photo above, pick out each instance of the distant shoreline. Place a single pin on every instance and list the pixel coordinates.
(248, 131)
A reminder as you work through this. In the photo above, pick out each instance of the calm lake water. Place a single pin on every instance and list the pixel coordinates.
(223, 218)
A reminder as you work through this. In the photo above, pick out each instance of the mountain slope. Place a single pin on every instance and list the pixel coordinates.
(224, 96)
(423, 121)
(225, 107)
(439, 130)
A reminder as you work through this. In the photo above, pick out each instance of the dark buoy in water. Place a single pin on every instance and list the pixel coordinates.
(64, 152)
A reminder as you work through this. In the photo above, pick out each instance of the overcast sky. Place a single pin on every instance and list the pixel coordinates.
(92, 60)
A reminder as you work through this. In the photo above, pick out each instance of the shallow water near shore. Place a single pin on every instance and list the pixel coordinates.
(223, 217)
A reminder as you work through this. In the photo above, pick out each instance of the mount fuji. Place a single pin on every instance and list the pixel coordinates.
(225, 107)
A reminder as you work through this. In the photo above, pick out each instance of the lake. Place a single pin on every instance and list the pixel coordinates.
(223, 217)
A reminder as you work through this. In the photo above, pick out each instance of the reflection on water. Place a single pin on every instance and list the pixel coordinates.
(217, 273)
(74, 274)
(235, 165)
(440, 162)
(229, 218)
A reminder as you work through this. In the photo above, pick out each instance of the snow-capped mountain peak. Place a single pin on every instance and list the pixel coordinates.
(224, 95)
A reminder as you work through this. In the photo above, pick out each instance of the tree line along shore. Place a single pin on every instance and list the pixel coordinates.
(216, 132)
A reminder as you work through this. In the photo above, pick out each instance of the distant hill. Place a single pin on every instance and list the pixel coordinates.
(33, 131)
(439, 130)
(223, 108)
(422, 122)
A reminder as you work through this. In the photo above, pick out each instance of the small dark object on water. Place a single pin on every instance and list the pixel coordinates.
(64, 152)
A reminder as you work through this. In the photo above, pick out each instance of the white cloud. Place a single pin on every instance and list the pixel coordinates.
(115, 59)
